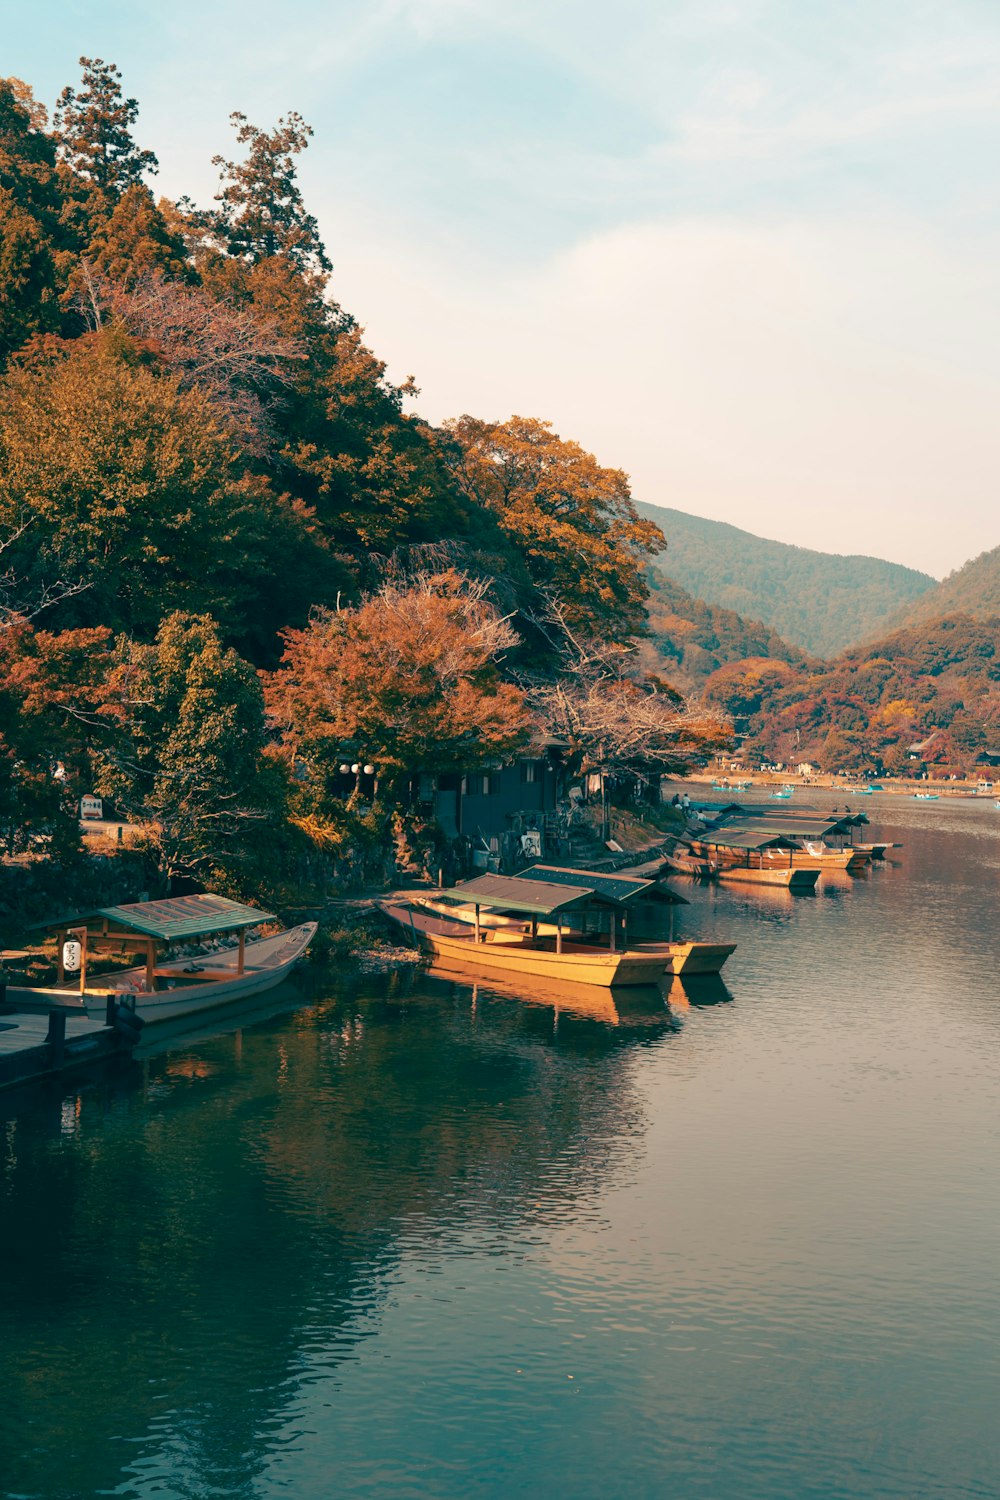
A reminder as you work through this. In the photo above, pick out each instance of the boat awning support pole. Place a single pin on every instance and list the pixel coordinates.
(150, 965)
(478, 938)
(242, 952)
(558, 933)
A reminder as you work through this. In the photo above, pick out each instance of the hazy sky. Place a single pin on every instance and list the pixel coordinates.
(747, 250)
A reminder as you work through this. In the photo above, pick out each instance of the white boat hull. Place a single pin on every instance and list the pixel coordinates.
(267, 963)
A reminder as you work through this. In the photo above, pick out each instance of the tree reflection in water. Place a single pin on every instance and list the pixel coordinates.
(184, 1246)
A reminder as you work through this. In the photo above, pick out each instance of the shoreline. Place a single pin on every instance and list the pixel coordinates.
(887, 786)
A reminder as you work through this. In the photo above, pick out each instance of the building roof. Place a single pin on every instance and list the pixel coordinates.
(515, 893)
(183, 916)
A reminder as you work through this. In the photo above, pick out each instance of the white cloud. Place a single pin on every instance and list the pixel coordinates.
(832, 384)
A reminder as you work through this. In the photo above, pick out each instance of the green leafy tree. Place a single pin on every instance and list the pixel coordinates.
(189, 758)
(130, 483)
(32, 258)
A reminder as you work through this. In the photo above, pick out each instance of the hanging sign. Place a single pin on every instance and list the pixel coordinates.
(91, 807)
(72, 955)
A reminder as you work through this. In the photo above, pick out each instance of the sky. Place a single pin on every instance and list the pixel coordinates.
(746, 250)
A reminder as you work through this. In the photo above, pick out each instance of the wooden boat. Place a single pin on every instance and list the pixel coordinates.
(877, 851)
(173, 988)
(681, 958)
(498, 950)
(822, 857)
(927, 796)
(748, 860)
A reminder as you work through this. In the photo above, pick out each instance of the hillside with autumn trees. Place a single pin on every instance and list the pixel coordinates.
(923, 699)
(232, 548)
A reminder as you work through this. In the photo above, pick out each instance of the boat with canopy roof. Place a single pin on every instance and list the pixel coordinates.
(165, 987)
(551, 934)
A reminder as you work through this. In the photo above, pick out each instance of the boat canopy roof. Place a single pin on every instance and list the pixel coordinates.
(179, 917)
(743, 838)
(765, 828)
(616, 888)
(516, 893)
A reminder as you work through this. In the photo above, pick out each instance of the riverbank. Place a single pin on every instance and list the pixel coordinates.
(892, 786)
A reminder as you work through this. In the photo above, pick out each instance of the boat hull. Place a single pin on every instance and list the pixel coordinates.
(794, 879)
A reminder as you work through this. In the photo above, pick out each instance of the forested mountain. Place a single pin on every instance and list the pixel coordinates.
(936, 686)
(818, 600)
(973, 590)
(689, 639)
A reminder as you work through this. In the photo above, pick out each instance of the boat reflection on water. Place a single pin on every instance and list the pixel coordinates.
(695, 991)
(633, 1005)
(255, 1011)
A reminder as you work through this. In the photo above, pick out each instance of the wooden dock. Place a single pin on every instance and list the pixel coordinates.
(35, 1045)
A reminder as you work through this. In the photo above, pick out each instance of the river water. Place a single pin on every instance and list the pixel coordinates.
(416, 1238)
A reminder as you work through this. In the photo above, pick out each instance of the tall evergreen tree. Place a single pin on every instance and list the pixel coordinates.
(262, 213)
(93, 131)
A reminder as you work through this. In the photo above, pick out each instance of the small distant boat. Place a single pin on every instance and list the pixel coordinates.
(862, 791)
(875, 786)
(996, 804)
(926, 796)
(783, 794)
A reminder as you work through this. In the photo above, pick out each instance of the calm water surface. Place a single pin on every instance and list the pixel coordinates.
(416, 1239)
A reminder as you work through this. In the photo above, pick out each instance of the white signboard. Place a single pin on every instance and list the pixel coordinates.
(91, 807)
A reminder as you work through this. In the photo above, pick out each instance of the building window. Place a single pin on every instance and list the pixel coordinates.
(529, 770)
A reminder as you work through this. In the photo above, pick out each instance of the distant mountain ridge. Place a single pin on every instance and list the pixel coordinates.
(973, 590)
(821, 601)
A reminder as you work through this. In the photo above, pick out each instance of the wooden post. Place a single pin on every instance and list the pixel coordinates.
(478, 938)
(57, 1037)
(150, 964)
(242, 953)
(624, 931)
(60, 971)
(558, 932)
(611, 930)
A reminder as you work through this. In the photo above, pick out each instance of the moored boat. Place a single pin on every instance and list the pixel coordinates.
(503, 950)
(164, 988)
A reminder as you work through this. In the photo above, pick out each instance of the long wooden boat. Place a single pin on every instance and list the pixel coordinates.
(506, 951)
(169, 988)
(681, 958)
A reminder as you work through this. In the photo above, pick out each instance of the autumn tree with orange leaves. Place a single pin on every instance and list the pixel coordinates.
(409, 677)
